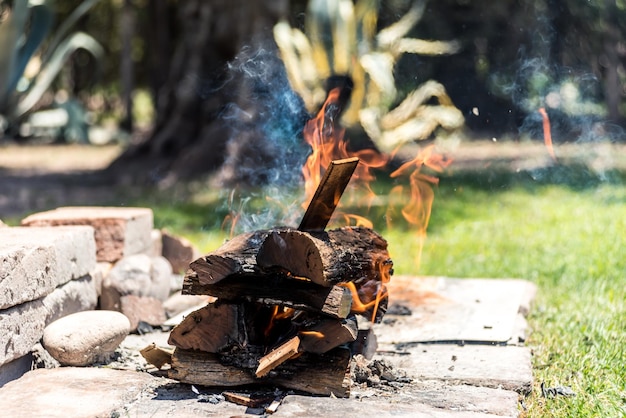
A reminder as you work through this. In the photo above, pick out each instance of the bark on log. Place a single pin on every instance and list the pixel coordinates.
(236, 256)
(280, 290)
(325, 257)
(323, 374)
(210, 329)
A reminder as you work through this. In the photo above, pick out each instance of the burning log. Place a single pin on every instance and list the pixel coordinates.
(326, 257)
(319, 374)
(280, 290)
(289, 302)
(284, 296)
(323, 257)
(327, 334)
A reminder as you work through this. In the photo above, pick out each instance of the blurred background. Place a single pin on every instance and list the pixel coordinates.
(180, 85)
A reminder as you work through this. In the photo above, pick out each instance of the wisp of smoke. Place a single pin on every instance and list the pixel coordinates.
(266, 150)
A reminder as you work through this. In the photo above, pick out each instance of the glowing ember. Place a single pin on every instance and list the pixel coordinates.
(547, 136)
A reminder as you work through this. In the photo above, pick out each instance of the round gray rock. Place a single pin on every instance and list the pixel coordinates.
(84, 338)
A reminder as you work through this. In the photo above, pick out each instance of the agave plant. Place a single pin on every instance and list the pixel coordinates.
(341, 38)
(24, 26)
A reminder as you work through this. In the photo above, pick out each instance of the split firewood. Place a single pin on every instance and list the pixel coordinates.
(278, 356)
(320, 374)
(211, 328)
(328, 257)
(157, 356)
(327, 334)
(236, 256)
(325, 257)
(273, 407)
(327, 194)
(247, 400)
(333, 301)
(202, 368)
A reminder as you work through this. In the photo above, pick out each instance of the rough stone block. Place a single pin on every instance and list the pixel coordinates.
(178, 251)
(118, 231)
(34, 261)
(142, 308)
(22, 326)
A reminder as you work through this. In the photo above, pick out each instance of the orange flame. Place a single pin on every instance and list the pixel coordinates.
(421, 195)
(326, 139)
(314, 334)
(365, 299)
(278, 313)
(547, 136)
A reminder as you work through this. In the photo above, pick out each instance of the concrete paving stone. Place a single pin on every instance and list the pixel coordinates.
(119, 231)
(73, 392)
(22, 326)
(34, 261)
(504, 367)
(448, 310)
(316, 407)
(74, 296)
(467, 398)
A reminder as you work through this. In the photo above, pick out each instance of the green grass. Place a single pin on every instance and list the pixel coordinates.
(570, 242)
(563, 228)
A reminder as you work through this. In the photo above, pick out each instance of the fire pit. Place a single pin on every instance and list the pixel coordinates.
(293, 305)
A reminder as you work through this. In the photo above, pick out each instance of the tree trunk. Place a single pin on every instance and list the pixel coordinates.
(206, 111)
(127, 24)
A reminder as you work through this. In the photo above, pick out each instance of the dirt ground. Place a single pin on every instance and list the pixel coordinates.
(41, 177)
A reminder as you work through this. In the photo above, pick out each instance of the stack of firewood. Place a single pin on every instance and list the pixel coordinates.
(292, 308)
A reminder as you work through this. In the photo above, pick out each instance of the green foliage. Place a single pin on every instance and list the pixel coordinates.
(22, 33)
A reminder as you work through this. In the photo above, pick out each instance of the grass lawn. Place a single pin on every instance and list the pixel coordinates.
(564, 228)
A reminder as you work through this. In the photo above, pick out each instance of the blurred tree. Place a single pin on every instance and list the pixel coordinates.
(190, 135)
(514, 56)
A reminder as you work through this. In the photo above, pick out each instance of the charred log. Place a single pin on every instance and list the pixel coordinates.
(321, 374)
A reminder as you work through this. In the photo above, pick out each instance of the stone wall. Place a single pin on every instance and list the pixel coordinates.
(60, 262)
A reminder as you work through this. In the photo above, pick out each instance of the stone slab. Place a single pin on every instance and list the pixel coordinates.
(72, 392)
(447, 310)
(34, 261)
(22, 326)
(119, 231)
(466, 398)
(307, 406)
(506, 367)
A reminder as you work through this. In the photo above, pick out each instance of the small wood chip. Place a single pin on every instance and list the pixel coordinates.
(278, 356)
(246, 400)
(273, 407)
(157, 356)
